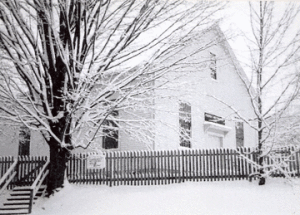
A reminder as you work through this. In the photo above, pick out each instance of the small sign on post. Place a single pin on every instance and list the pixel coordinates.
(96, 161)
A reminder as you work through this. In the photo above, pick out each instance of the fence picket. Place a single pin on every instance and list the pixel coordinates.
(241, 162)
(170, 166)
(214, 172)
(292, 162)
(127, 162)
(232, 164)
(196, 164)
(174, 166)
(297, 158)
(151, 167)
(146, 168)
(207, 169)
(2, 166)
(210, 166)
(26, 169)
(217, 165)
(122, 169)
(165, 166)
(200, 163)
(191, 169)
(222, 173)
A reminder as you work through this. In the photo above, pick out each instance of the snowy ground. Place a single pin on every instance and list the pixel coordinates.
(229, 197)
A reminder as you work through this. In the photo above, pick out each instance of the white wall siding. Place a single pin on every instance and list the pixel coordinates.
(198, 88)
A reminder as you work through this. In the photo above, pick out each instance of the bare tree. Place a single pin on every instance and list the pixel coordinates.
(71, 65)
(273, 48)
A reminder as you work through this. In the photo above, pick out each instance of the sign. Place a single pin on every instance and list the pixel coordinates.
(96, 161)
(213, 118)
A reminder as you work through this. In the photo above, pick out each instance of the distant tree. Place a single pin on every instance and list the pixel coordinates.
(68, 67)
(273, 48)
(286, 126)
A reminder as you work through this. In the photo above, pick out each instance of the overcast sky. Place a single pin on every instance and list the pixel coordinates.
(237, 21)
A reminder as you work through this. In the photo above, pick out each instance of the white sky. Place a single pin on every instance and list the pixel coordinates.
(236, 22)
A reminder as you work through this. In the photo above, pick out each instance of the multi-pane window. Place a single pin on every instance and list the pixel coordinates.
(239, 134)
(24, 141)
(111, 133)
(213, 66)
(185, 124)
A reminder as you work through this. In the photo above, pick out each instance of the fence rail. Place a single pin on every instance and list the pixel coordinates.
(161, 167)
(5, 163)
(27, 168)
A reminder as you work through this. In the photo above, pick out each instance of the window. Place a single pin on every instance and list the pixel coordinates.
(185, 124)
(111, 133)
(24, 141)
(213, 118)
(213, 66)
(239, 134)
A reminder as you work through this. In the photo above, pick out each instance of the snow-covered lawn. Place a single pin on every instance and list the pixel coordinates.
(223, 197)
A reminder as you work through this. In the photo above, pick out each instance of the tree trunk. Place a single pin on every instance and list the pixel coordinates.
(262, 180)
(58, 163)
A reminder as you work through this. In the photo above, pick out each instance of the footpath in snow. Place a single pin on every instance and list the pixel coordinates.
(195, 198)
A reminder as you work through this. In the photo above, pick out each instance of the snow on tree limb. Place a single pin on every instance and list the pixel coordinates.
(74, 63)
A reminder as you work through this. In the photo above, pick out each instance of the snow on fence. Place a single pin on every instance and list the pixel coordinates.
(161, 167)
(164, 167)
(282, 162)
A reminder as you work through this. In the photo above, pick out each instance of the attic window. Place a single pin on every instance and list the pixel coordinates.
(213, 66)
